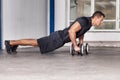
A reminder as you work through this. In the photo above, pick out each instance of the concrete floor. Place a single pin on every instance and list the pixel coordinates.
(28, 64)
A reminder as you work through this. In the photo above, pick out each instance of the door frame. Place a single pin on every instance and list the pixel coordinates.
(0, 25)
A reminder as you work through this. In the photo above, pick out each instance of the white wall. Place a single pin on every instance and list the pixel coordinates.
(102, 36)
(60, 17)
(24, 19)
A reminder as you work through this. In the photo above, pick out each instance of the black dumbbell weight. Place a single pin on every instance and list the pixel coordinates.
(72, 51)
(81, 49)
(87, 48)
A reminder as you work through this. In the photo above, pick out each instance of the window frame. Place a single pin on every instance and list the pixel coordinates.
(116, 20)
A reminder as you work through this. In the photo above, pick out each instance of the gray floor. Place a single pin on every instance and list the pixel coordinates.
(28, 64)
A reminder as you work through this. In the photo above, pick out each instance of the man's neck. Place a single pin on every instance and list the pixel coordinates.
(93, 21)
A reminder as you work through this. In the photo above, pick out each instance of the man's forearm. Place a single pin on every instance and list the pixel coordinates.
(72, 36)
(81, 39)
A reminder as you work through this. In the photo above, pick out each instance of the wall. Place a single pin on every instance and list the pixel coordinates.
(29, 19)
(60, 14)
(24, 19)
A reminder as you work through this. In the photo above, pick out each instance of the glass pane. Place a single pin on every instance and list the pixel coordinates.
(107, 25)
(106, 6)
(73, 9)
(79, 8)
(84, 7)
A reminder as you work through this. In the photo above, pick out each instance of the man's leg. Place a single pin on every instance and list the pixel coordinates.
(24, 42)
(11, 45)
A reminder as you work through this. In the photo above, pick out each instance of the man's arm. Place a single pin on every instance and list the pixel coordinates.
(72, 34)
(81, 39)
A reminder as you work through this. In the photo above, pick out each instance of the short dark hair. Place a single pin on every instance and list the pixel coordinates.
(98, 14)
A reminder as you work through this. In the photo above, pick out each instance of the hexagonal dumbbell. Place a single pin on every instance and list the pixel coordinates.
(73, 52)
(87, 48)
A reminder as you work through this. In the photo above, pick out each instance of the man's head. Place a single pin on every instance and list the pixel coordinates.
(97, 18)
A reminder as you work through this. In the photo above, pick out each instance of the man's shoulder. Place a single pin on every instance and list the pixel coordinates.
(83, 18)
(84, 21)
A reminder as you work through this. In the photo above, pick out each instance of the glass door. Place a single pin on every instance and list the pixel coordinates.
(79, 8)
(110, 28)
(109, 8)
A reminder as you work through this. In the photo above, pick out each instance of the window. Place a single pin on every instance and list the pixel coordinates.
(109, 7)
(79, 8)
(73, 9)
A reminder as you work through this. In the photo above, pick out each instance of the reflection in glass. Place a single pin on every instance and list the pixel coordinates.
(106, 6)
(106, 25)
(73, 10)
(79, 8)
(84, 7)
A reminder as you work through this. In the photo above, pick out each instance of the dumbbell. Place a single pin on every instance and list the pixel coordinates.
(87, 48)
(73, 52)
(83, 50)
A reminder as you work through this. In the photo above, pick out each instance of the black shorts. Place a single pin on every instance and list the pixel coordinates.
(50, 43)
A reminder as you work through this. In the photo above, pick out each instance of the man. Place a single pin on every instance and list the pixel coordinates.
(58, 38)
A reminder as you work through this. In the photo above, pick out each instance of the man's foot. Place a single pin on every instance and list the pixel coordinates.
(8, 46)
(14, 48)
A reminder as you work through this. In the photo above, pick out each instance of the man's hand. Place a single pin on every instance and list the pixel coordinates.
(77, 48)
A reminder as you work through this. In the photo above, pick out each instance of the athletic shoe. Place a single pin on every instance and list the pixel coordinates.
(8, 46)
(14, 48)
